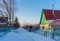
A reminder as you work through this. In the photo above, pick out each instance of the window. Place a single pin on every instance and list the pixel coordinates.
(43, 27)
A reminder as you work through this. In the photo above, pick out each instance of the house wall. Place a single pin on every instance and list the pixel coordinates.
(43, 22)
(46, 26)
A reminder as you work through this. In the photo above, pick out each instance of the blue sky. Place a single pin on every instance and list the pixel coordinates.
(29, 11)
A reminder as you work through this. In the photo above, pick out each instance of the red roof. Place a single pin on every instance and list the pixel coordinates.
(50, 16)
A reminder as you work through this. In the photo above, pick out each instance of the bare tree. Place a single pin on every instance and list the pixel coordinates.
(7, 6)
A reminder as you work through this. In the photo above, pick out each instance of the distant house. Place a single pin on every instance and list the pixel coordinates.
(3, 22)
(48, 17)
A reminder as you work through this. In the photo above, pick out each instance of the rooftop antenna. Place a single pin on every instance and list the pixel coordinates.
(53, 10)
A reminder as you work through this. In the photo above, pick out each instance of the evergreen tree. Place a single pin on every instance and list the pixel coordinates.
(16, 24)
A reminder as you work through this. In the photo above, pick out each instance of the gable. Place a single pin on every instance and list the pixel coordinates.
(43, 19)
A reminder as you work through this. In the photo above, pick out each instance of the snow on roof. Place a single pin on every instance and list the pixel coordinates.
(50, 20)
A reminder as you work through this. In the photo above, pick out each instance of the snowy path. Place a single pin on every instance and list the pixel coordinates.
(23, 35)
(57, 38)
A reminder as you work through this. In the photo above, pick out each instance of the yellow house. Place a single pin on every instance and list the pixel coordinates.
(44, 24)
(47, 16)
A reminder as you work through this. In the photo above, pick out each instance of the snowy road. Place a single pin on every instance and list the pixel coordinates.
(23, 35)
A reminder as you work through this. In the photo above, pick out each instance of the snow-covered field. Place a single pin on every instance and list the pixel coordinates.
(57, 38)
(1, 34)
(23, 35)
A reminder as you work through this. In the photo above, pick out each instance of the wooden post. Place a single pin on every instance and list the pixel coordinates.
(52, 28)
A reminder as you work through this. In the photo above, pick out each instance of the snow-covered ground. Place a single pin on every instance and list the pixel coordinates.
(39, 32)
(21, 30)
(2, 34)
(24, 35)
(57, 38)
